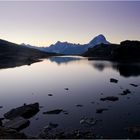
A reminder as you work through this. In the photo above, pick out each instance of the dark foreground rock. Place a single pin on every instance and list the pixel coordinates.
(89, 122)
(17, 123)
(110, 98)
(56, 111)
(6, 133)
(25, 111)
(134, 85)
(101, 110)
(75, 134)
(125, 92)
(112, 80)
(134, 129)
(79, 105)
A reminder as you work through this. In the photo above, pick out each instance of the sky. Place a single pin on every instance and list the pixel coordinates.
(44, 23)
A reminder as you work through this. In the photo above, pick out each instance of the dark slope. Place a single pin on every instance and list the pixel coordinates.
(125, 51)
(12, 55)
(102, 51)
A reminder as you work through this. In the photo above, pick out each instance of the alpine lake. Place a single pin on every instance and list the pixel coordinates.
(97, 96)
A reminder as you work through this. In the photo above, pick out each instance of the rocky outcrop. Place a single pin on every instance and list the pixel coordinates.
(25, 111)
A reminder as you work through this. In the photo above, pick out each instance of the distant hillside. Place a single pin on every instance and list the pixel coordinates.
(14, 55)
(126, 50)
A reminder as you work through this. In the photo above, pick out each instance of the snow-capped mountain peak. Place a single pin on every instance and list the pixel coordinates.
(100, 39)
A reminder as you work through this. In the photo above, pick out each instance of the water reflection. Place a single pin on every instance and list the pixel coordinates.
(124, 69)
(128, 70)
(64, 59)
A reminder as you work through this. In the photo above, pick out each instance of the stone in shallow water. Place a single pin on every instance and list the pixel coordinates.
(110, 98)
(88, 121)
(101, 110)
(50, 95)
(25, 111)
(79, 105)
(17, 123)
(134, 129)
(125, 92)
(50, 126)
(112, 80)
(6, 133)
(134, 85)
(55, 111)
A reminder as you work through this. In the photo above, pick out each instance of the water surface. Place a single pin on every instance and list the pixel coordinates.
(87, 81)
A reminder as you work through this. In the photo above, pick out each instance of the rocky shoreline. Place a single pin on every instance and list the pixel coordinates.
(18, 119)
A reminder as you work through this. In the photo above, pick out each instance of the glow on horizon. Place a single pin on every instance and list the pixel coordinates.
(44, 23)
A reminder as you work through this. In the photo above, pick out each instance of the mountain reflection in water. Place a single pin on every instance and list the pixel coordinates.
(124, 69)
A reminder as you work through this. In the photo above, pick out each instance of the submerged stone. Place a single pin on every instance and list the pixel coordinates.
(134, 129)
(134, 85)
(101, 110)
(125, 92)
(6, 133)
(50, 126)
(88, 121)
(50, 95)
(110, 98)
(56, 111)
(17, 123)
(79, 105)
(112, 80)
(66, 88)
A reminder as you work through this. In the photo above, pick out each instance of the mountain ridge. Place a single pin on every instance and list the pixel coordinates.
(72, 48)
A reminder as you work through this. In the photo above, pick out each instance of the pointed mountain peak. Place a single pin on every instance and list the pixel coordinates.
(101, 36)
(98, 40)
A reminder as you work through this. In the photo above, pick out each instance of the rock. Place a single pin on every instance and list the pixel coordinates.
(112, 80)
(65, 112)
(25, 111)
(46, 132)
(17, 123)
(6, 133)
(128, 97)
(109, 98)
(134, 85)
(78, 105)
(92, 102)
(50, 95)
(88, 121)
(75, 134)
(125, 92)
(101, 110)
(1, 119)
(134, 129)
(66, 88)
(56, 111)
(50, 126)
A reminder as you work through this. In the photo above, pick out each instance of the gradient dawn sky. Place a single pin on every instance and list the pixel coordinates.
(44, 23)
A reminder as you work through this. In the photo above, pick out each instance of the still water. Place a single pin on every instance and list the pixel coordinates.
(87, 81)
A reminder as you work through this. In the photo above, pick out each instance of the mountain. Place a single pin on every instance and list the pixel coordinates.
(71, 48)
(12, 54)
(66, 48)
(100, 39)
